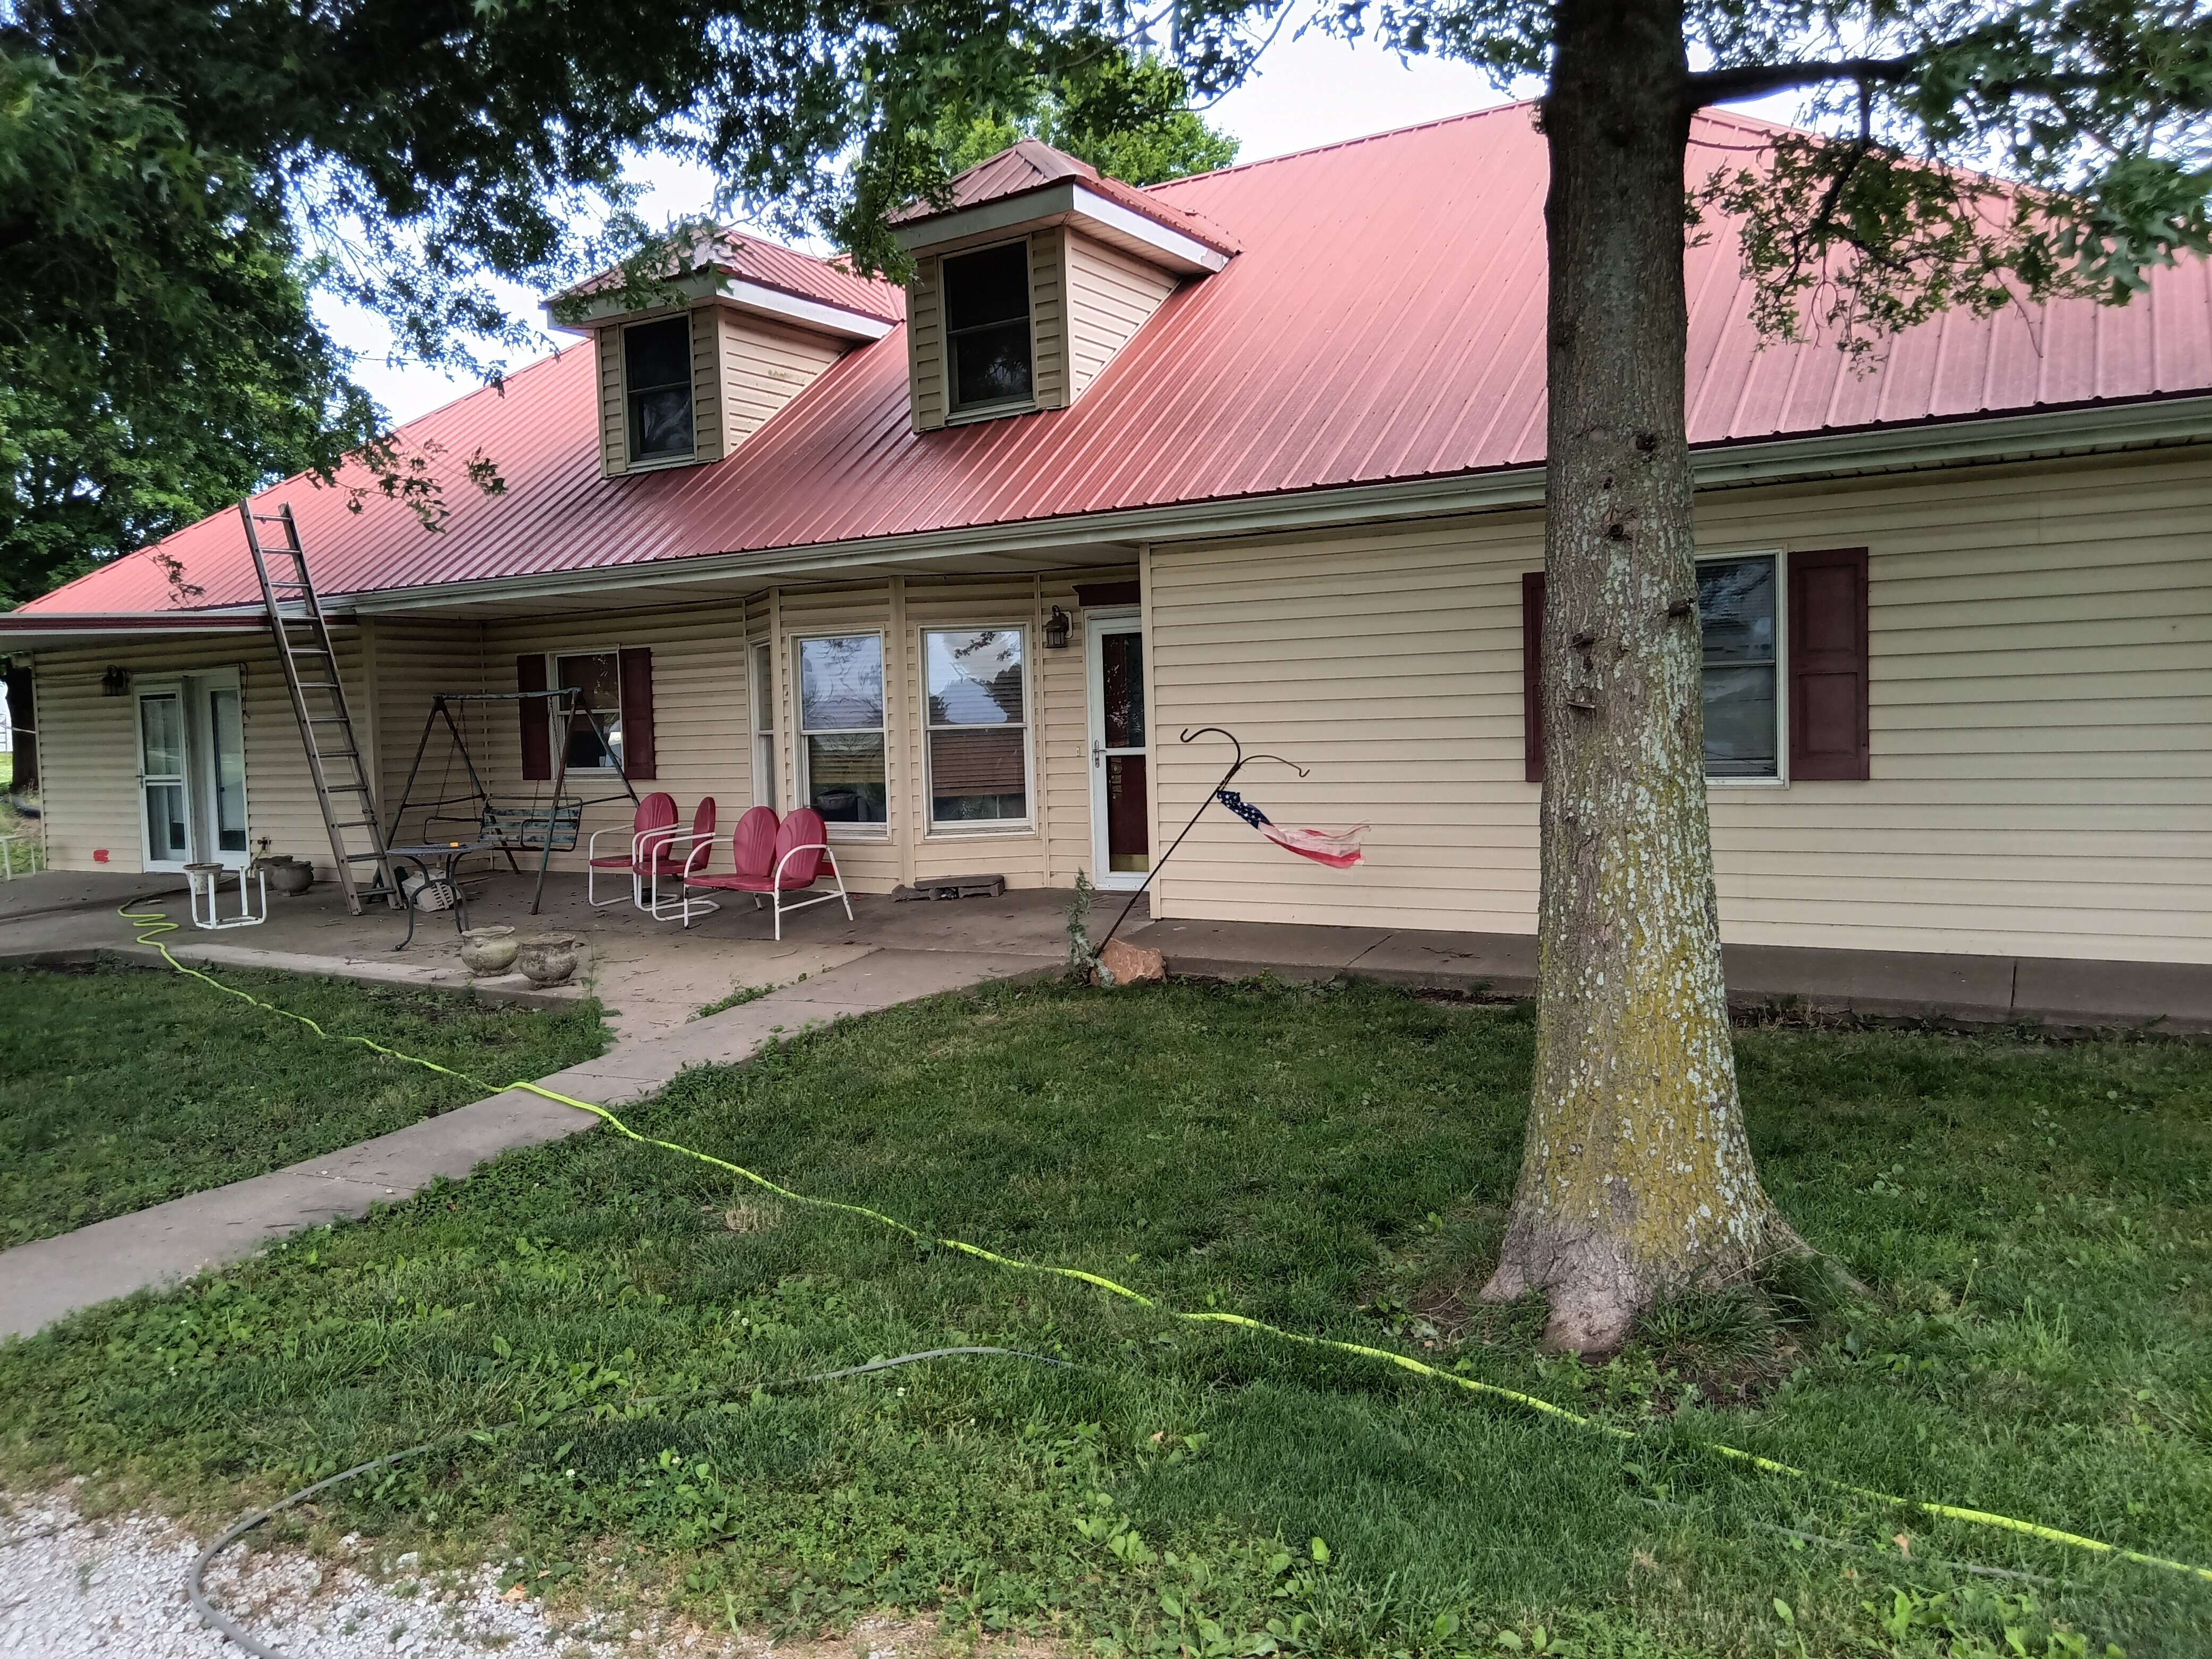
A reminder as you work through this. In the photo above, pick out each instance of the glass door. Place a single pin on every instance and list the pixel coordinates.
(162, 779)
(227, 769)
(1120, 796)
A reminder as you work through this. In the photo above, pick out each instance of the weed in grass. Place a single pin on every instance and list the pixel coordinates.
(1297, 1153)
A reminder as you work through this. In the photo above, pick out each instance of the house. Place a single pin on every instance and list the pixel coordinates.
(1260, 449)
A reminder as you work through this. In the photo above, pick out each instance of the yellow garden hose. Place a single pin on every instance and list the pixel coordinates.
(154, 923)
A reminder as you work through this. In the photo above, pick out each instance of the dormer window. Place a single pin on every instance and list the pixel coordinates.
(657, 375)
(987, 326)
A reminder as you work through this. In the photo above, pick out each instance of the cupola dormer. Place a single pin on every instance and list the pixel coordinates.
(1030, 274)
(694, 361)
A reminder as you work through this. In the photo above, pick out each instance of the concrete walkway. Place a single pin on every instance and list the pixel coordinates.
(43, 1280)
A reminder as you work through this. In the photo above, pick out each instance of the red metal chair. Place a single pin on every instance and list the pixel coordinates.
(670, 854)
(792, 861)
(652, 823)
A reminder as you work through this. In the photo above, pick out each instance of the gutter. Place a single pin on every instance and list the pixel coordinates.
(1984, 440)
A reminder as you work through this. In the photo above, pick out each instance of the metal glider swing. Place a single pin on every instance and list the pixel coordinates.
(476, 821)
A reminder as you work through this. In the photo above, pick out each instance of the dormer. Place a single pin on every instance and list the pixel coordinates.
(1032, 272)
(693, 362)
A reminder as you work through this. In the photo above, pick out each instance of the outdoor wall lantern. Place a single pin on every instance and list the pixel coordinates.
(1055, 630)
(115, 682)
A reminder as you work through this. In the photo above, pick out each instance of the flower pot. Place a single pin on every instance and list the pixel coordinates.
(486, 951)
(550, 960)
(289, 875)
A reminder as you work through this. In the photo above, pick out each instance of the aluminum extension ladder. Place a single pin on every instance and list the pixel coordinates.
(343, 788)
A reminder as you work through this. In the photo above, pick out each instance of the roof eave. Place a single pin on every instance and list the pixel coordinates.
(726, 288)
(1072, 201)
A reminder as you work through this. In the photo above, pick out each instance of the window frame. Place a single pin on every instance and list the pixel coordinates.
(632, 460)
(760, 692)
(553, 681)
(802, 782)
(955, 411)
(1779, 557)
(978, 829)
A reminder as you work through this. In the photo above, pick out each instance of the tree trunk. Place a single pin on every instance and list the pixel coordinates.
(1635, 1176)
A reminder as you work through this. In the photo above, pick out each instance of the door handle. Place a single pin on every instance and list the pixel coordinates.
(1098, 751)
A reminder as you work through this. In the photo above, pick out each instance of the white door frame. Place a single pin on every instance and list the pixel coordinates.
(179, 689)
(1124, 619)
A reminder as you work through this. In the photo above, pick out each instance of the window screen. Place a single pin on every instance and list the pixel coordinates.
(597, 676)
(657, 373)
(841, 727)
(1736, 613)
(987, 326)
(978, 726)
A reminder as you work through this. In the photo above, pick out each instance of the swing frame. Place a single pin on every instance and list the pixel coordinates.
(540, 831)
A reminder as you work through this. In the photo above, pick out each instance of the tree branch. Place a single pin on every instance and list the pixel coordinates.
(1722, 86)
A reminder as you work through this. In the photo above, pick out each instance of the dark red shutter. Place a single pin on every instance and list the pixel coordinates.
(537, 732)
(638, 760)
(1828, 665)
(1532, 675)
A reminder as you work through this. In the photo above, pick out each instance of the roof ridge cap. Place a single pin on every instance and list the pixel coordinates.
(1344, 143)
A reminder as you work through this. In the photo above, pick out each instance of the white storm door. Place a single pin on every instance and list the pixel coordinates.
(1120, 796)
(165, 792)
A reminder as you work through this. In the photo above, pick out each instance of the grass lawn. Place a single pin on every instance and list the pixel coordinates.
(125, 1086)
(2030, 1221)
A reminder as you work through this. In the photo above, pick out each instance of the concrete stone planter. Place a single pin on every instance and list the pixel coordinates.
(290, 875)
(488, 951)
(548, 960)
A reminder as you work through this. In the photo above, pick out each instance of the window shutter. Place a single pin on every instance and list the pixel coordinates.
(1532, 675)
(537, 732)
(638, 759)
(1828, 727)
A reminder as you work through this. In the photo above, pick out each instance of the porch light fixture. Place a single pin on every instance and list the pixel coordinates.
(115, 682)
(1055, 630)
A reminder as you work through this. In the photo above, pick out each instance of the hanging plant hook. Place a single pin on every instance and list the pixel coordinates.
(1192, 734)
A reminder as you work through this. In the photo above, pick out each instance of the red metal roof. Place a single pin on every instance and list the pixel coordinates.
(1384, 322)
(771, 265)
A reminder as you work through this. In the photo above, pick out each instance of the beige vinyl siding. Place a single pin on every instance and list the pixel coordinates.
(1048, 326)
(763, 366)
(614, 422)
(707, 435)
(925, 345)
(2041, 713)
(1110, 296)
(89, 751)
(409, 660)
(703, 745)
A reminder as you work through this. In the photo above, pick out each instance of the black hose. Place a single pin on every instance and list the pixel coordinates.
(212, 1616)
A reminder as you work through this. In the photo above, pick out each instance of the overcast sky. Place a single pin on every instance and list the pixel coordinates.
(1308, 90)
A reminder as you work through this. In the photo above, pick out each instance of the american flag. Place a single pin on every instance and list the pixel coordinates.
(1338, 849)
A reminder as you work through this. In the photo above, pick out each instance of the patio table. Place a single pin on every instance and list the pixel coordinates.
(422, 855)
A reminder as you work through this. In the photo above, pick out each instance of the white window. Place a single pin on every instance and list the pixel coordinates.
(763, 687)
(977, 726)
(1739, 616)
(840, 728)
(597, 676)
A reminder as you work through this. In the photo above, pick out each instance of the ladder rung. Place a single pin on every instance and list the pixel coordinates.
(320, 685)
(354, 823)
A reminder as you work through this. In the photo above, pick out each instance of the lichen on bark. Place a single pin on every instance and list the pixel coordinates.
(1636, 1175)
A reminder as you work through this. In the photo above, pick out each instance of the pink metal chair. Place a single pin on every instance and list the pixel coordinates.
(669, 855)
(769, 860)
(652, 823)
